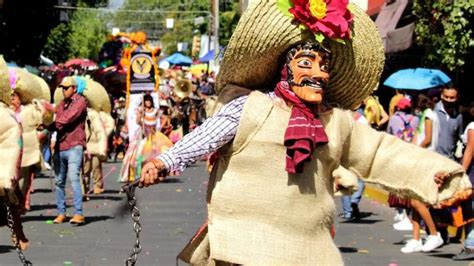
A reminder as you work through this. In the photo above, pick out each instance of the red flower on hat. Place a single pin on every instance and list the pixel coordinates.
(331, 18)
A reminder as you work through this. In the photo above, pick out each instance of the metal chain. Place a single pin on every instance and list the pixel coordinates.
(11, 223)
(137, 228)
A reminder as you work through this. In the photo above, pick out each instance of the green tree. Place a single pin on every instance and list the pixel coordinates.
(57, 45)
(82, 37)
(88, 34)
(228, 21)
(182, 13)
(445, 29)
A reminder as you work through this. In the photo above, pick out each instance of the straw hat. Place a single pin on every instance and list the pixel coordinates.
(264, 35)
(5, 91)
(44, 89)
(95, 94)
(26, 85)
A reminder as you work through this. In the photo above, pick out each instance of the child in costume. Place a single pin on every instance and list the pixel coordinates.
(148, 143)
(270, 197)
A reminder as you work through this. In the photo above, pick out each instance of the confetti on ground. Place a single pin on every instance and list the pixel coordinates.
(178, 190)
(67, 263)
(64, 232)
(111, 170)
(49, 222)
(190, 190)
(363, 251)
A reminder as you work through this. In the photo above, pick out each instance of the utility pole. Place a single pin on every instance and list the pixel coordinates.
(215, 11)
(243, 5)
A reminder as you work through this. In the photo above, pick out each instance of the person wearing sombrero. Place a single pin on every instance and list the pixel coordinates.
(289, 73)
(33, 111)
(11, 146)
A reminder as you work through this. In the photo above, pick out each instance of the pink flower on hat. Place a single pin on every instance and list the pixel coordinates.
(404, 103)
(13, 78)
(331, 18)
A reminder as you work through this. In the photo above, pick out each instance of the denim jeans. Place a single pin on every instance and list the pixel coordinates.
(354, 198)
(67, 164)
(45, 150)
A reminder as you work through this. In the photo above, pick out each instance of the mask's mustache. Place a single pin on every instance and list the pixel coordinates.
(309, 82)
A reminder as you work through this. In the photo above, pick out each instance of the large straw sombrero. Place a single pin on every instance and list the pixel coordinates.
(26, 85)
(95, 94)
(5, 91)
(263, 36)
(46, 93)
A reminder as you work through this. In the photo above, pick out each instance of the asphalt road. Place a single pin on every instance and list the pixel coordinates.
(170, 214)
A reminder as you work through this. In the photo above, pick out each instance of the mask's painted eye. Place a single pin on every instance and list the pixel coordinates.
(325, 68)
(304, 63)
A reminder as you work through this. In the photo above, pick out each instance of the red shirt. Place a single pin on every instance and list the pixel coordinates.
(71, 122)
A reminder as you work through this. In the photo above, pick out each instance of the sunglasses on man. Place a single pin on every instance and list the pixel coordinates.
(65, 88)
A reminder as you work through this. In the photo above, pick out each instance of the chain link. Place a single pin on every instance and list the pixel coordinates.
(137, 228)
(11, 223)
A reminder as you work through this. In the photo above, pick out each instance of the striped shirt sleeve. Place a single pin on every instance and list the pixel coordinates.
(214, 133)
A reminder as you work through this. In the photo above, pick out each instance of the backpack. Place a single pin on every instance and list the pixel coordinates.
(407, 132)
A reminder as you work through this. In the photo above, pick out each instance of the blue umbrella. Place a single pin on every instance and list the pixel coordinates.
(207, 57)
(179, 59)
(417, 79)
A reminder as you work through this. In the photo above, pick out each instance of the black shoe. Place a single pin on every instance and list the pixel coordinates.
(355, 211)
(466, 254)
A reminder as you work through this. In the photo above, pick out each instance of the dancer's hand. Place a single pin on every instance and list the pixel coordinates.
(152, 173)
(440, 178)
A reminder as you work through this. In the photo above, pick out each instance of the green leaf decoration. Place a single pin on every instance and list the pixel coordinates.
(350, 6)
(319, 37)
(302, 27)
(341, 41)
(284, 6)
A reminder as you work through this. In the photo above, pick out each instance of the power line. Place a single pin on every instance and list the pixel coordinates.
(141, 11)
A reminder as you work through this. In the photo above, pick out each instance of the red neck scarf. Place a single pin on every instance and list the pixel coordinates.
(304, 132)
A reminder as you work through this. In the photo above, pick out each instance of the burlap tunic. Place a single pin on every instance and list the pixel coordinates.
(96, 134)
(10, 154)
(261, 215)
(31, 118)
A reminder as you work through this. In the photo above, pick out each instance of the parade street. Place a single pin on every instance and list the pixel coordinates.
(170, 214)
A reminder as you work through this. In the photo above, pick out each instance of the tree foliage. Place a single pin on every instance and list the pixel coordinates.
(445, 29)
(228, 22)
(57, 45)
(184, 13)
(88, 34)
(82, 37)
